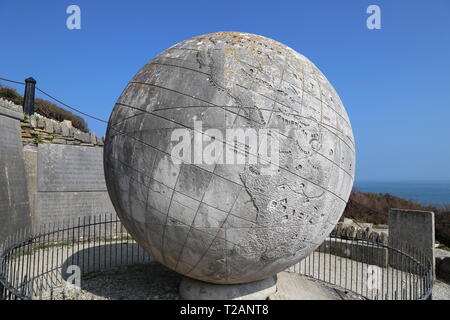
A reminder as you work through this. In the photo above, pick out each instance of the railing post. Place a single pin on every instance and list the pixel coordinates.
(28, 97)
(2, 292)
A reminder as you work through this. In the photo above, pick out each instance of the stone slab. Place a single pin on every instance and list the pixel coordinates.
(14, 203)
(11, 113)
(361, 252)
(411, 230)
(30, 161)
(191, 289)
(70, 168)
(58, 206)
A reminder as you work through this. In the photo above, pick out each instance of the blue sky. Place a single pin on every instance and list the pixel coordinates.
(394, 82)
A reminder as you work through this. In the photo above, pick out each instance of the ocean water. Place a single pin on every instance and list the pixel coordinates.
(424, 192)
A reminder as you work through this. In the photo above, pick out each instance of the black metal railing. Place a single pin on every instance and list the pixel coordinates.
(370, 269)
(33, 263)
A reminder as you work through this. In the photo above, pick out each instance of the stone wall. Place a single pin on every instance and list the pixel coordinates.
(14, 203)
(49, 171)
(361, 231)
(70, 183)
(38, 129)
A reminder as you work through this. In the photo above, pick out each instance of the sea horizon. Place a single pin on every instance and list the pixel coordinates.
(426, 192)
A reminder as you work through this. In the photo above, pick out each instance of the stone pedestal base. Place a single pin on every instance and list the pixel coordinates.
(191, 289)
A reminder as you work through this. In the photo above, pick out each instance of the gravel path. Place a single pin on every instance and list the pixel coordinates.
(137, 282)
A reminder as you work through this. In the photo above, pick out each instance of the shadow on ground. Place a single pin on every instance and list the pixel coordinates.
(121, 271)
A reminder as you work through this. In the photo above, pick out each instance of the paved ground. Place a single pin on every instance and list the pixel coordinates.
(292, 286)
(373, 282)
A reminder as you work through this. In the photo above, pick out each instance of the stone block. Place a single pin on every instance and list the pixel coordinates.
(52, 207)
(59, 141)
(85, 137)
(57, 128)
(33, 121)
(92, 138)
(411, 231)
(357, 251)
(41, 123)
(65, 132)
(70, 168)
(14, 202)
(191, 289)
(48, 126)
(68, 123)
(11, 113)
(78, 135)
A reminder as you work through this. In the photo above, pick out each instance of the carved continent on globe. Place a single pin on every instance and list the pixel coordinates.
(226, 222)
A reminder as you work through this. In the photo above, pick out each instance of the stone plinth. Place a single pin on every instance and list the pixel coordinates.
(191, 289)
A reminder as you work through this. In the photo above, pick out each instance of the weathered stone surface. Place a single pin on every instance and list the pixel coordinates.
(14, 203)
(68, 123)
(65, 130)
(49, 127)
(357, 251)
(198, 290)
(11, 113)
(92, 138)
(52, 207)
(59, 141)
(70, 183)
(411, 231)
(41, 123)
(222, 222)
(30, 160)
(33, 121)
(70, 168)
(6, 105)
(292, 286)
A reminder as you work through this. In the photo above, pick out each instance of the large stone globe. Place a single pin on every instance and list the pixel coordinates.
(229, 157)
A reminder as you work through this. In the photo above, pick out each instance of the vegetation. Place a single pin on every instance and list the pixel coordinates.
(37, 139)
(45, 108)
(374, 208)
(11, 95)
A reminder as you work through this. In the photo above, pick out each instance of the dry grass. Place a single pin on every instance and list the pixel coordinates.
(45, 108)
(374, 208)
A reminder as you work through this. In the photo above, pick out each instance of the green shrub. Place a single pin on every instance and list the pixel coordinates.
(45, 108)
(37, 139)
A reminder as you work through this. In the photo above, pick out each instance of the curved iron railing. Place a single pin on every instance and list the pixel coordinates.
(33, 264)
